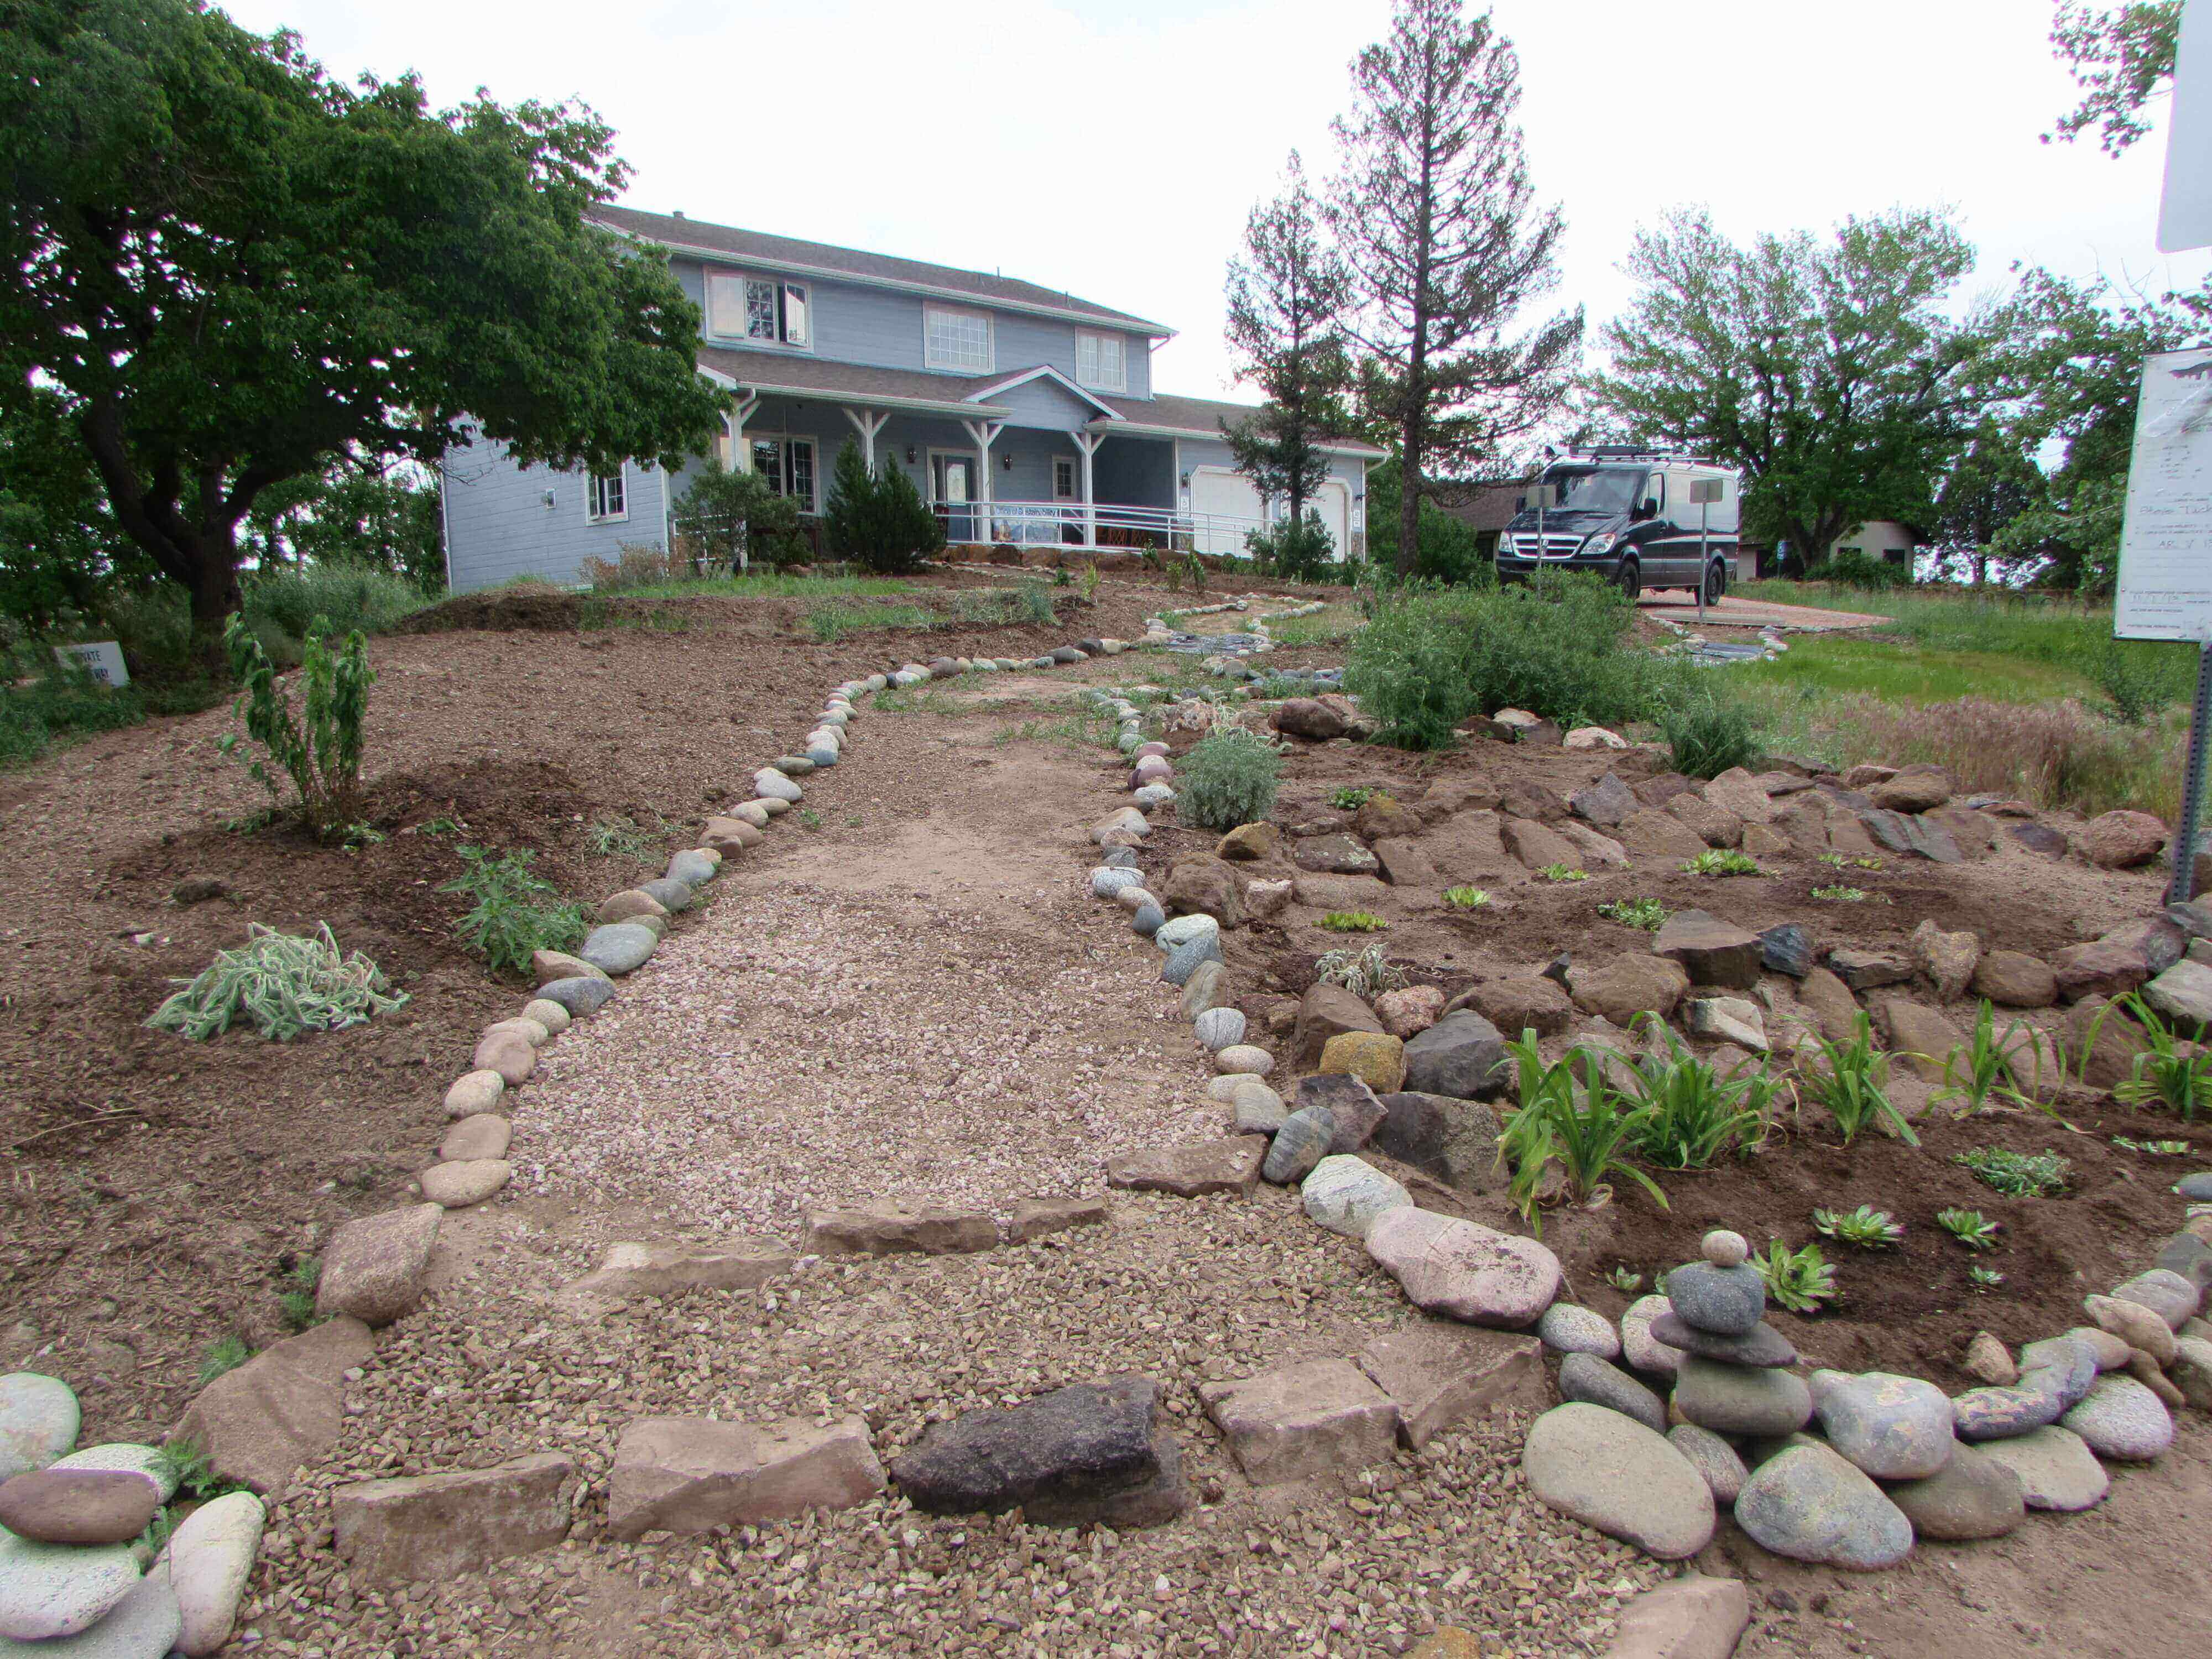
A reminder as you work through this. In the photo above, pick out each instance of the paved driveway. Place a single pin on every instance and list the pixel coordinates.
(1734, 611)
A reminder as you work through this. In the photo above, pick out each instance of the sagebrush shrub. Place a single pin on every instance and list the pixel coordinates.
(517, 912)
(1228, 779)
(320, 751)
(1709, 735)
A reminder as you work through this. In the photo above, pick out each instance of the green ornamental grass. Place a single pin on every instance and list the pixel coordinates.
(1228, 778)
(284, 984)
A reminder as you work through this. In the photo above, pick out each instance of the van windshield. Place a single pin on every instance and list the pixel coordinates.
(1610, 490)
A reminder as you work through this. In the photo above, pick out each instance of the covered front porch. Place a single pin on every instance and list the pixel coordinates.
(1014, 469)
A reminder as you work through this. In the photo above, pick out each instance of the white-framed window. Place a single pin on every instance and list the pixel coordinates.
(758, 310)
(1101, 362)
(952, 338)
(1064, 477)
(787, 464)
(605, 499)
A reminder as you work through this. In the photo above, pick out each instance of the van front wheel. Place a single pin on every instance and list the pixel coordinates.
(1631, 578)
(1716, 584)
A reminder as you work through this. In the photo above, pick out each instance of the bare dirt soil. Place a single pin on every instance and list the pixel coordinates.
(915, 998)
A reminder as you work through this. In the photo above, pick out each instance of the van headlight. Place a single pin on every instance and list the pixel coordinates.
(1601, 543)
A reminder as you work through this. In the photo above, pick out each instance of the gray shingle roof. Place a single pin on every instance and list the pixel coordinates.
(811, 373)
(1199, 415)
(667, 227)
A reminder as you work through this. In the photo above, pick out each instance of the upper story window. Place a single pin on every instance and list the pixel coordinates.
(1100, 363)
(956, 339)
(759, 310)
(606, 500)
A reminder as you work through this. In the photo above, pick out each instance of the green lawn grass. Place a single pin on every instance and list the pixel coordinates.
(1338, 621)
(1901, 671)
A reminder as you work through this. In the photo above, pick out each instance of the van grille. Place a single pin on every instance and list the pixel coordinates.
(1554, 547)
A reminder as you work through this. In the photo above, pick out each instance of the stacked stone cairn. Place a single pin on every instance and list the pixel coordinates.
(87, 1563)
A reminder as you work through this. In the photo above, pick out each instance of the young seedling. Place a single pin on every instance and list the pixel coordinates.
(1800, 1279)
(1353, 921)
(1366, 974)
(1848, 1081)
(2018, 1175)
(1866, 1227)
(1721, 861)
(2166, 1073)
(1972, 1072)
(1562, 872)
(1467, 898)
(1350, 798)
(298, 1298)
(1970, 1227)
(1626, 1282)
(1984, 1280)
(1837, 894)
(1647, 914)
(1837, 860)
(1583, 1128)
(223, 1355)
(2154, 1148)
(1689, 1113)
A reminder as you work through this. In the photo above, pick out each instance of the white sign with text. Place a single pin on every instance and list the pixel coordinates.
(102, 658)
(2165, 545)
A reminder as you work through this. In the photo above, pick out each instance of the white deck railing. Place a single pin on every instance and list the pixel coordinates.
(1074, 524)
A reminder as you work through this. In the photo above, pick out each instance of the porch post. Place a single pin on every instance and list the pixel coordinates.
(1088, 442)
(867, 422)
(741, 459)
(983, 434)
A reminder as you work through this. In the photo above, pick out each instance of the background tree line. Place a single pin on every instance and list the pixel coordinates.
(1844, 373)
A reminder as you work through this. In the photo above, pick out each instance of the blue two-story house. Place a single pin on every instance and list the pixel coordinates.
(1023, 415)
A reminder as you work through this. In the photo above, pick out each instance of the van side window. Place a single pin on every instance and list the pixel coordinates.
(1655, 489)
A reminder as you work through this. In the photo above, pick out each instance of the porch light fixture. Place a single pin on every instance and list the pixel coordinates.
(910, 454)
(1006, 460)
(1185, 481)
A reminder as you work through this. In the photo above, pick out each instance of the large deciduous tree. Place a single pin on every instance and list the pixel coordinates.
(1287, 297)
(2122, 57)
(1437, 217)
(233, 269)
(1829, 371)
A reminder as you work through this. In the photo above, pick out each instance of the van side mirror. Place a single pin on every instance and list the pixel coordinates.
(1521, 503)
(1647, 508)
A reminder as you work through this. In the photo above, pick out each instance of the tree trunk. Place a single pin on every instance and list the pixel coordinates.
(1409, 503)
(215, 596)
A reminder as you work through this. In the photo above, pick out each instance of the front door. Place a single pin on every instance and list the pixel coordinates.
(954, 476)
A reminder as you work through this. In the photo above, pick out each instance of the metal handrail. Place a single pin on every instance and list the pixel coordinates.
(1024, 523)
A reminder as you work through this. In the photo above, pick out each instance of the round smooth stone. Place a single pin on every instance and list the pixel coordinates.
(210, 1558)
(1895, 1428)
(1146, 920)
(1810, 1505)
(1762, 1346)
(2056, 1469)
(529, 1030)
(130, 1458)
(1724, 1248)
(673, 893)
(1133, 899)
(78, 1506)
(770, 784)
(1738, 1400)
(487, 1134)
(1119, 858)
(1972, 1496)
(1154, 795)
(1106, 882)
(824, 756)
(2122, 1419)
(1569, 1330)
(548, 1014)
(509, 1053)
(582, 996)
(1187, 958)
(1243, 1058)
(479, 1091)
(1219, 1028)
(1608, 1471)
(619, 949)
(1726, 1300)
(1712, 1458)
(49, 1591)
(1596, 1382)
(1639, 1345)
(457, 1185)
(1184, 929)
(775, 806)
(1258, 1109)
(1349, 1195)
(695, 866)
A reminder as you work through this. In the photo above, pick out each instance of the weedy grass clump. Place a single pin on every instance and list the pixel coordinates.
(517, 912)
(1584, 1126)
(297, 1299)
(1353, 921)
(2168, 1072)
(1721, 861)
(1801, 1280)
(1366, 974)
(2018, 1175)
(1229, 778)
(1350, 797)
(1837, 893)
(1689, 1112)
(1708, 736)
(1647, 914)
(223, 1355)
(285, 984)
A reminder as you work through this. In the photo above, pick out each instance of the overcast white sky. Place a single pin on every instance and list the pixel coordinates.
(1113, 147)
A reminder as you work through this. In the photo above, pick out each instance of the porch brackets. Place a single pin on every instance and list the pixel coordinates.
(1088, 442)
(867, 422)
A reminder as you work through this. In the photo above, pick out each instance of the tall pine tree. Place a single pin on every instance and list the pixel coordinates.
(1436, 216)
(1287, 297)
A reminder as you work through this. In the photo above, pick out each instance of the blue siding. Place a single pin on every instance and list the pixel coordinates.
(1044, 404)
(499, 525)
(853, 323)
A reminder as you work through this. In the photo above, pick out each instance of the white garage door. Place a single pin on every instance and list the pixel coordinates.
(1333, 503)
(1224, 506)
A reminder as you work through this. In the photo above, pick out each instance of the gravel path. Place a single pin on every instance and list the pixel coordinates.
(923, 1005)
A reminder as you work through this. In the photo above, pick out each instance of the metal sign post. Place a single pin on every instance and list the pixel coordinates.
(2182, 887)
(1705, 492)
